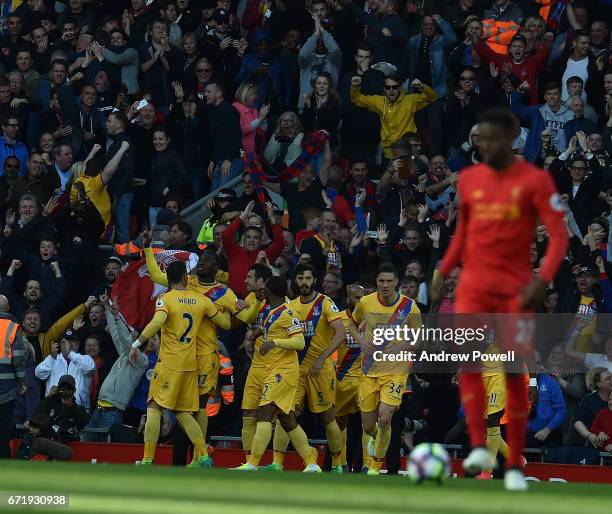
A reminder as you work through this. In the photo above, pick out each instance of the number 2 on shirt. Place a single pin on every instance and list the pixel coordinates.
(185, 338)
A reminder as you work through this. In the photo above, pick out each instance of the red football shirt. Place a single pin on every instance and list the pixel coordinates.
(498, 214)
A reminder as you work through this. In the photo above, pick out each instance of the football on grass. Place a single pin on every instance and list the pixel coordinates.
(428, 461)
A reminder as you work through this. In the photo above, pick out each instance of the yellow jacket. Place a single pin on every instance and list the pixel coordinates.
(396, 118)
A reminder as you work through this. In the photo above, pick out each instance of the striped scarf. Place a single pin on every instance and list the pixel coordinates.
(311, 148)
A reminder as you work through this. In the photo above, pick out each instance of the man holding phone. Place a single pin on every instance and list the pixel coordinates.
(64, 358)
(221, 44)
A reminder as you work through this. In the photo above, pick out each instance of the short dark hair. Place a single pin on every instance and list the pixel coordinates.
(96, 335)
(277, 286)
(219, 85)
(328, 210)
(57, 149)
(122, 118)
(123, 34)
(255, 228)
(184, 227)
(468, 68)
(578, 158)
(261, 271)
(163, 4)
(31, 310)
(550, 85)
(158, 21)
(357, 158)
(500, 117)
(87, 84)
(574, 78)
(164, 129)
(410, 279)
(401, 145)
(49, 238)
(581, 33)
(173, 197)
(176, 272)
(363, 46)
(70, 21)
(10, 157)
(94, 166)
(61, 62)
(387, 267)
(304, 266)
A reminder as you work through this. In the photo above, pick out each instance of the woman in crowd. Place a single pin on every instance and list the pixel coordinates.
(285, 145)
(253, 123)
(168, 173)
(186, 61)
(322, 107)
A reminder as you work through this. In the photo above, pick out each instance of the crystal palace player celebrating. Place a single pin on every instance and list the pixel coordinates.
(500, 203)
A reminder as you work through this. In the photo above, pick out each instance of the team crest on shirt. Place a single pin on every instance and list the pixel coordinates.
(333, 307)
(555, 203)
(159, 303)
(278, 378)
(477, 194)
(296, 326)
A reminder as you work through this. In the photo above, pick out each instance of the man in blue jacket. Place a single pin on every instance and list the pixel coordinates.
(268, 72)
(10, 147)
(550, 412)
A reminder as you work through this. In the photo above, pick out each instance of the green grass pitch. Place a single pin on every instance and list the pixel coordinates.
(166, 490)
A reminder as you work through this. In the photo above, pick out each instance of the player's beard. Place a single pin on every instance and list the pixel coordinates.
(306, 290)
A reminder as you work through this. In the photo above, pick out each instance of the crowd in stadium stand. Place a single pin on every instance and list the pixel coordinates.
(354, 119)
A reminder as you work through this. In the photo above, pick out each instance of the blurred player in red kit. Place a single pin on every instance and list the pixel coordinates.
(501, 201)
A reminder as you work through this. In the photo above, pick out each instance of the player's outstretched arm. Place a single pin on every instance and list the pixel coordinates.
(354, 331)
(154, 326)
(296, 342)
(550, 210)
(249, 314)
(570, 346)
(149, 331)
(156, 274)
(222, 319)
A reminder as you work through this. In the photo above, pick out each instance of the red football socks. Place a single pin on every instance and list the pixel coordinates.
(517, 407)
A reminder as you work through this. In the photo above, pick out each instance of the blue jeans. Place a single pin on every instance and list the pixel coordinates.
(153, 211)
(102, 418)
(235, 169)
(121, 213)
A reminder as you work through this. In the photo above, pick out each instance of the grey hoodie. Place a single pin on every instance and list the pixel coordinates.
(123, 378)
(311, 64)
(555, 122)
